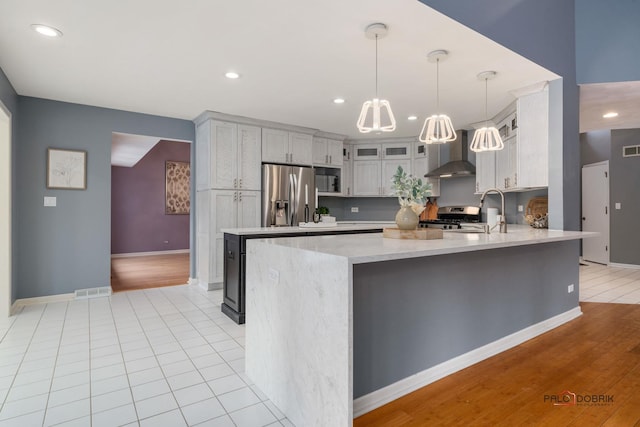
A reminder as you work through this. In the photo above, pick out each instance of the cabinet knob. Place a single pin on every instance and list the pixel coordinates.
(240, 182)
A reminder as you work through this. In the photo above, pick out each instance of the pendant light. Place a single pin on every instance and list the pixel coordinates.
(438, 128)
(380, 108)
(486, 138)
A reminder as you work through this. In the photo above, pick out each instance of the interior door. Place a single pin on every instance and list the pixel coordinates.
(595, 211)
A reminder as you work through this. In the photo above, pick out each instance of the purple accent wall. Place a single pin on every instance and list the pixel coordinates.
(138, 221)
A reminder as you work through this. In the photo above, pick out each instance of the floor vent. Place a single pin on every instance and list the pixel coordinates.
(104, 291)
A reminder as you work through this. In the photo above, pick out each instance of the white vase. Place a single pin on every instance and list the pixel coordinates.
(406, 218)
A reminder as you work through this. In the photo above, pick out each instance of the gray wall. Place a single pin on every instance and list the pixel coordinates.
(66, 248)
(625, 176)
(607, 34)
(447, 305)
(544, 32)
(595, 146)
(9, 98)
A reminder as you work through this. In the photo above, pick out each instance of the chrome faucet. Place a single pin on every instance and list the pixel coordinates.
(503, 217)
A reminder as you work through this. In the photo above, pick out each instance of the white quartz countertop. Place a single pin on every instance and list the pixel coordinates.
(341, 226)
(364, 248)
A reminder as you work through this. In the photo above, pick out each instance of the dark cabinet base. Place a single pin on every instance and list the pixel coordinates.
(233, 314)
(234, 275)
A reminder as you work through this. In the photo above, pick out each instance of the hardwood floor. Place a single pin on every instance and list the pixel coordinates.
(596, 354)
(141, 272)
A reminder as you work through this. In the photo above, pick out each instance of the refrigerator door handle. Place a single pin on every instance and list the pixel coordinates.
(292, 194)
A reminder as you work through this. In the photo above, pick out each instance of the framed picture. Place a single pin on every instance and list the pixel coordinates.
(177, 184)
(66, 169)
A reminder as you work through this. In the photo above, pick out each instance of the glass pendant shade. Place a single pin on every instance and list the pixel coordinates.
(437, 129)
(486, 139)
(376, 115)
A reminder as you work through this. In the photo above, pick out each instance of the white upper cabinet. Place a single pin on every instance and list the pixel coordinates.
(275, 146)
(327, 152)
(389, 168)
(280, 146)
(485, 171)
(249, 158)
(524, 161)
(366, 178)
(227, 156)
(400, 150)
(366, 151)
(533, 140)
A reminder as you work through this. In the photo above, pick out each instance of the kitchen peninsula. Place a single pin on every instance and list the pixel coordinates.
(339, 325)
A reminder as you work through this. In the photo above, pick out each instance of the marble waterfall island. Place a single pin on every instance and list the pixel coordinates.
(339, 325)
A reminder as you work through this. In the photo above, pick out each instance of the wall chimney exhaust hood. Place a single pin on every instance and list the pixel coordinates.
(458, 165)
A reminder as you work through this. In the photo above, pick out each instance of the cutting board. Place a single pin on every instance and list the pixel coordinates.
(417, 234)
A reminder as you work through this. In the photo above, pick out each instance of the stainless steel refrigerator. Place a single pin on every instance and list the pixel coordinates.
(283, 194)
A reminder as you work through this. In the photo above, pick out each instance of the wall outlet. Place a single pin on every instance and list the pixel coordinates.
(570, 288)
(355, 209)
(166, 242)
(520, 208)
(49, 201)
(618, 205)
(274, 275)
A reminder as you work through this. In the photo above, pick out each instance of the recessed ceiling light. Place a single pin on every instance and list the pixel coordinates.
(610, 115)
(46, 30)
(232, 75)
(338, 101)
(412, 118)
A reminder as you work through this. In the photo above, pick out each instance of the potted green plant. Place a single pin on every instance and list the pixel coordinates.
(412, 194)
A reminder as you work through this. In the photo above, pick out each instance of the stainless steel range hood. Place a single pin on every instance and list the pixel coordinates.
(458, 165)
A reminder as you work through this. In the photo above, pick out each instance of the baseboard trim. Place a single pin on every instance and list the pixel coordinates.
(210, 286)
(41, 300)
(631, 266)
(175, 251)
(380, 397)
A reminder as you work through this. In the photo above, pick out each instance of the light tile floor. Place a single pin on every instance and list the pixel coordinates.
(600, 283)
(157, 357)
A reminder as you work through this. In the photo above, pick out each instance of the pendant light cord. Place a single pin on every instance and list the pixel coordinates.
(438, 85)
(486, 102)
(376, 66)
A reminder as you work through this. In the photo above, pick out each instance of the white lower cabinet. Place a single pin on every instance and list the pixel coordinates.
(224, 209)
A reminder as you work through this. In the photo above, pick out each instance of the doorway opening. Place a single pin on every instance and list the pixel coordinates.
(5, 212)
(150, 212)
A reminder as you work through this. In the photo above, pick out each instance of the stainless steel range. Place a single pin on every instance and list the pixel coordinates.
(451, 217)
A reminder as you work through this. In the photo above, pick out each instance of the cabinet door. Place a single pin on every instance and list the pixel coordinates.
(389, 168)
(224, 152)
(506, 165)
(275, 146)
(320, 156)
(224, 205)
(232, 265)
(249, 209)
(533, 140)
(347, 179)
(334, 151)
(366, 151)
(396, 151)
(203, 140)
(485, 171)
(249, 157)
(300, 148)
(366, 178)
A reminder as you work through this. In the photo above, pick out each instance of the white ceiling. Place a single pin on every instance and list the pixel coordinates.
(127, 149)
(168, 58)
(601, 98)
